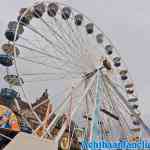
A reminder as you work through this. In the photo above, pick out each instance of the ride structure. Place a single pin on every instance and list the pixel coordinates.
(55, 47)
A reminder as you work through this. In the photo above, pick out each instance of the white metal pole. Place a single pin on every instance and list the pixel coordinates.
(95, 106)
(59, 110)
(75, 109)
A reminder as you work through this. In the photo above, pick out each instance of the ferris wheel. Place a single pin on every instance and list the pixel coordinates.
(54, 46)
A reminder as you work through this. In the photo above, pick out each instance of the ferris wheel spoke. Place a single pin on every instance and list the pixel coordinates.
(58, 49)
(49, 79)
(55, 33)
(123, 119)
(73, 36)
(59, 37)
(48, 66)
(112, 94)
(75, 31)
(122, 106)
(124, 113)
(66, 36)
(37, 47)
(43, 80)
(77, 38)
(38, 74)
(91, 96)
(82, 51)
(32, 44)
(108, 96)
(78, 29)
(81, 56)
(144, 126)
(124, 122)
(40, 51)
(83, 40)
(85, 37)
(87, 50)
(50, 56)
(70, 38)
(115, 109)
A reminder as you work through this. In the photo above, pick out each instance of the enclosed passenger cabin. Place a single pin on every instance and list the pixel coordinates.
(117, 61)
(6, 60)
(99, 38)
(10, 49)
(90, 28)
(38, 10)
(66, 13)
(52, 9)
(78, 19)
(109, 49)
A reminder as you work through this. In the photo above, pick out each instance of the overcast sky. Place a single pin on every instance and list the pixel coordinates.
(126, 22)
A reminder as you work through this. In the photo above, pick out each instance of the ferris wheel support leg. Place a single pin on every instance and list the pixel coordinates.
(58, 114)
(62, 130)
(57, 111)
(87, 110)
(93, 131)
(146, 128)
(83, 96)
